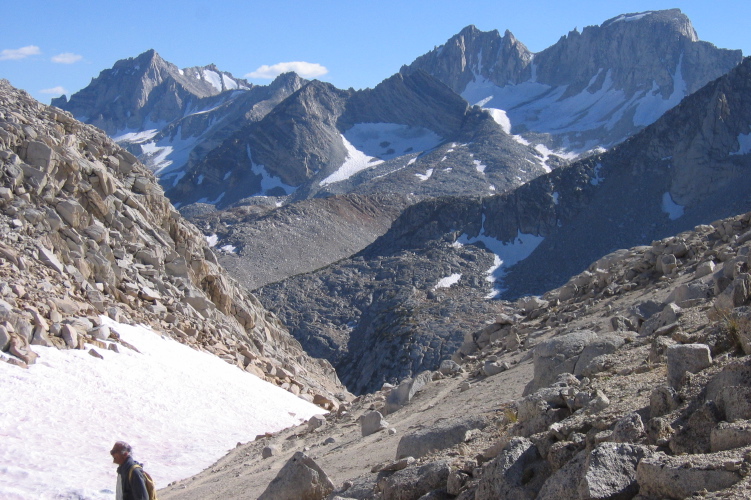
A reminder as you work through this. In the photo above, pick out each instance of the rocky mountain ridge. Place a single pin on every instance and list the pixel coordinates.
(631, 381)
(593, 88)
(87, 231)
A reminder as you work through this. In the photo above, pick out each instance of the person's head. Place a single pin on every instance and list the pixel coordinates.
(120, 452)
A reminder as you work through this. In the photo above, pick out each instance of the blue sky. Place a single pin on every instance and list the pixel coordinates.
(49, 47)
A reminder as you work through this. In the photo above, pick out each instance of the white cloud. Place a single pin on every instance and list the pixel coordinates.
(23, 52)
(302, 68)
(66, 58)
(54, 90)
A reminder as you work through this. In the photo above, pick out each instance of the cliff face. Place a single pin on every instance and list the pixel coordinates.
(592, 88)
(88, 221)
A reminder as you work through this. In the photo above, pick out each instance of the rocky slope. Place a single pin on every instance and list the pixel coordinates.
(296, 238)
(410, 134)
(688, 168)
(87, 231)
(631, 381)
(592, 88)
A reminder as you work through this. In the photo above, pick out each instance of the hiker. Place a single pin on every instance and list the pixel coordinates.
(130, 481)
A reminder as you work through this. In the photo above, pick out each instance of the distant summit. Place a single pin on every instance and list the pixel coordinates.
(590, 89)
(145, 89)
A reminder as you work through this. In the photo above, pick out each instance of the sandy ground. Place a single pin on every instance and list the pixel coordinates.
(243, 473)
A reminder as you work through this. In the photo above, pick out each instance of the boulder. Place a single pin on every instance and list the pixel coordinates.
(691, 358)
(558, 355)
(735, 402)
(300, 479)
(517, 472)
(372, 422)
(663, 476)
(315, 422)
(730, 435)
(491, 368)
(449, 367)
(564, 483)
(628, 429)
(405, 391)
(610, 471)
(440, 436)
(588, 362)
(414, 482)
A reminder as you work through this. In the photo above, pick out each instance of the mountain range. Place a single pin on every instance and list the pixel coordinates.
(446, 185)
(567, 219)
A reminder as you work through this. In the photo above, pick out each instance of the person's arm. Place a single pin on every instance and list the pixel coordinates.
(138, 485)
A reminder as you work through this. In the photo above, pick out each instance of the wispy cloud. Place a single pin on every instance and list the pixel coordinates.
(23, 52)
(66, 58)
(54, 91)
(304, 69)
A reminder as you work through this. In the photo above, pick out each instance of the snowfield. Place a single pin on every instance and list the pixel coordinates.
(180, 409)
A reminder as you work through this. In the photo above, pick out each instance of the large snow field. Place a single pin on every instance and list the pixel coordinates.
(180, 409)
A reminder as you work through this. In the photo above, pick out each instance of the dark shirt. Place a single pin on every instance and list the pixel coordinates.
(134, 487)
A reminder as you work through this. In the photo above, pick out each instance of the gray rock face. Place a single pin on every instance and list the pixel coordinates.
(610, 471)
(654, 56)
(414, 482)
(518, 472)
(662, 476)
(688, 358)
(558, 355)
(299, 479)
(440, 436)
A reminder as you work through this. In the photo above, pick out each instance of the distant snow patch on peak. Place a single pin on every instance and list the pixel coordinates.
(671, 208)
(356, 161)
(448, 281)
(652, 106)
(390, 140)
(479, 166)
(506, 253)
(744, 144)
(268, 181)
(631, 17)
(212, 240)
(229, 83)
(213, 78)
(500, 118)
(426, 176)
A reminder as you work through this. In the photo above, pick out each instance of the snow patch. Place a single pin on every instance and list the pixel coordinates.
(355, 162)
(448, 281)
(671, 208)
(479, 166)
(390, 140)
(212, 240)
(506, 253)
(181, 409)
(426, 176)
(501, 118)
(213, 78)
(268, 181)
(228, 248)
(744, 144)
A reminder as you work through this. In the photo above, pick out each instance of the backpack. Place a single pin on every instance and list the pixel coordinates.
(148, 481)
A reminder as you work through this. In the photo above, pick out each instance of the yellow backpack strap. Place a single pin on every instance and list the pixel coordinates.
(130, 471)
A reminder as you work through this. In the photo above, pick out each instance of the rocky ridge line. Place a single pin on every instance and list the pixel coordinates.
(87, 231)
